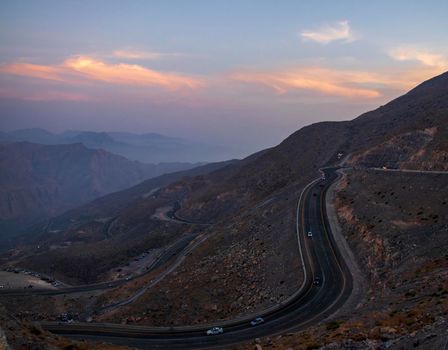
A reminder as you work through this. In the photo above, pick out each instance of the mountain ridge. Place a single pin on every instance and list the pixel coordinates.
(318, 145)
(147, 147)
(39, 181)
(248, 261)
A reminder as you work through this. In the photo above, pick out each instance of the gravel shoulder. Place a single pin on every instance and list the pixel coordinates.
(358, 296)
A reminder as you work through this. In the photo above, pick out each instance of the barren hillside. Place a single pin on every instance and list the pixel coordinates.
(249, 260)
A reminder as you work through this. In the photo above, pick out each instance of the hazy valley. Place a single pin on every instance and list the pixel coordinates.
(40, 181)
(250, 175)
(146, 148)
(239, 220)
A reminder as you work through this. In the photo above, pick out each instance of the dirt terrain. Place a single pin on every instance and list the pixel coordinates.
(21, 280)
(245, 276)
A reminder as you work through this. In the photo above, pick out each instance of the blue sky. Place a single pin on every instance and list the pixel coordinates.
(246, 73)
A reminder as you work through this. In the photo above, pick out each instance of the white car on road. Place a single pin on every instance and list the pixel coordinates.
(310, 234)
(215, 331)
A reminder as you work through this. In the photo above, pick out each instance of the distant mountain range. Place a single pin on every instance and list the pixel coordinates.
(38, 181)
(393, 223)
(147, 148)
(410, 131)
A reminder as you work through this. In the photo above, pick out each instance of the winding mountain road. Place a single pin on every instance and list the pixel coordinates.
(309, 305)
(192, 244)
(181, 247)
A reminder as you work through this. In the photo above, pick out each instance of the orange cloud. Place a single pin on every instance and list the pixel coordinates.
(340, 83)
(33, 71)
(76, 69)
(128, 74)
(425, 57)
(322, 80)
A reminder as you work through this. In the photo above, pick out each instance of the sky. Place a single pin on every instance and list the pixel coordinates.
(240, 73)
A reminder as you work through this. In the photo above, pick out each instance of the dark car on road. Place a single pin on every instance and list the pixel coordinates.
(256, 321)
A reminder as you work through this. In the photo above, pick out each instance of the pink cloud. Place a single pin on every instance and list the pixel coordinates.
(321, 80)
(33, 71)
(424, 56)
(77, 69)
(128, 74)
(336, 82)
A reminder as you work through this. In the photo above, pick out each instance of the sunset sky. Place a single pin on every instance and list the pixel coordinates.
(240, 73)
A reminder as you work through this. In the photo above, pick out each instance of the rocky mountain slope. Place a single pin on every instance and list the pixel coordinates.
(88, 241)
(256, 200)
(396, 224)
(250, 261)
(38, 181)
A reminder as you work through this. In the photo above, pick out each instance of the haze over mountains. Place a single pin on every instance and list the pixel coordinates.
(39, 181)
(47, 173)
(409, 132)
(248, 258)
(147, 148)
(242, 175)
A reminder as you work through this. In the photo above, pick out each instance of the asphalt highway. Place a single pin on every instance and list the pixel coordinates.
(174, 263)
(172, 214)
(177, 248)
(310, 305)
